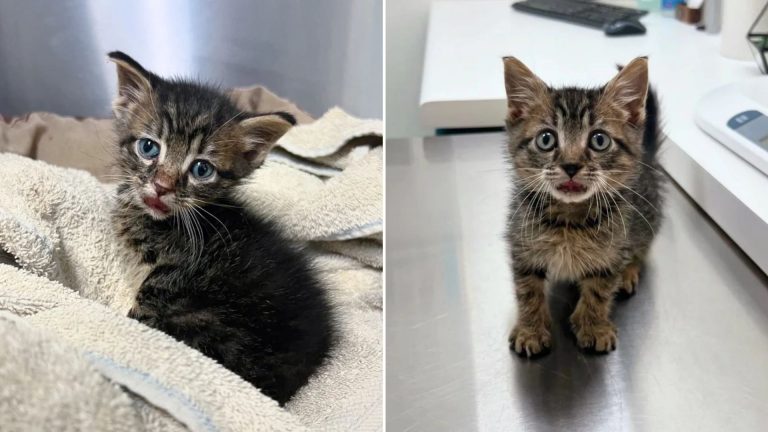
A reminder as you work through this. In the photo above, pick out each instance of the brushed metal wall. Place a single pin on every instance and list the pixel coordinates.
(316, 53)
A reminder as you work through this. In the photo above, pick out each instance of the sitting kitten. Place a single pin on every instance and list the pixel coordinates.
(588, 194)
(221, 280)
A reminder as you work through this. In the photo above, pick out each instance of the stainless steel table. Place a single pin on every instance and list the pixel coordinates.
(693, 342)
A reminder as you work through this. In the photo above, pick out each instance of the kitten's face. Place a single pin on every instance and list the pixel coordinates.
(183, 145)
(573, 143)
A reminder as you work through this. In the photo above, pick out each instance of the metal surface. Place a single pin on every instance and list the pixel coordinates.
(318, 54)
(693, 342)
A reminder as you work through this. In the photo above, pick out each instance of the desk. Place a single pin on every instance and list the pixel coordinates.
(463, 86)
(693, 344)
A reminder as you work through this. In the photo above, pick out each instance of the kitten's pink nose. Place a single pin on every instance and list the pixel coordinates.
(163, 185)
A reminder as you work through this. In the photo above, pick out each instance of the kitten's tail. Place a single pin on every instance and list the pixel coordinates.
(652, 132)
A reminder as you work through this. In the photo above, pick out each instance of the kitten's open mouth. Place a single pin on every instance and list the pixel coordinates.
(571, 187)
(156, 204)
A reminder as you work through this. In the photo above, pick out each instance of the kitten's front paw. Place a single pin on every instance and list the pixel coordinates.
(141, 314)
(530, 341)
(600, 337)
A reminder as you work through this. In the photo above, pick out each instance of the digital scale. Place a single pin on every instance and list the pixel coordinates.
(736, 115)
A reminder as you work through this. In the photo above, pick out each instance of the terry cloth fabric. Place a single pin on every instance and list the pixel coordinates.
(182, 386)
(55, 223)
(48, 385)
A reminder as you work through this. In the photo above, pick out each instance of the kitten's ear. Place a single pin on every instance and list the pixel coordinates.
(133, 80)
(628, 90)
(262, 132)
(524, 88)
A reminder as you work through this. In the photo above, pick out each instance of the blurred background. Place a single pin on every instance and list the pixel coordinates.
(317, 54)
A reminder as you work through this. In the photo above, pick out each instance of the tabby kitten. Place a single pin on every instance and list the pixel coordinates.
(588, 194)
(222, 280)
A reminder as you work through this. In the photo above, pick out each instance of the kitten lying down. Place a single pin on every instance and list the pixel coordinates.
(587, 197)
(223, 281)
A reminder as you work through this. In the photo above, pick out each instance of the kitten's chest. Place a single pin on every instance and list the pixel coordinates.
(569, 253)
(134, 271)
(137, 243)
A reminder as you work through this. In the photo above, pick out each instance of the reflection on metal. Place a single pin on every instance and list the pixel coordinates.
(693, 342)
(318, 54)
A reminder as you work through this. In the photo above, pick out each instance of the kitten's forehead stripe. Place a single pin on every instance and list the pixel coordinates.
(196, 136)
(168, 126)
(193, 152)
(164, 128)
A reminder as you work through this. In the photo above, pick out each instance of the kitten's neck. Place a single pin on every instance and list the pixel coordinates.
(581, 213)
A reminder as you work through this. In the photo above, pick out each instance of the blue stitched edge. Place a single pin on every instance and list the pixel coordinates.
(354, 232)
(134, 379)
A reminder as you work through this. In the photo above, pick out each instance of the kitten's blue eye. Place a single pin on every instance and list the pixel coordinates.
(546, 141)
(599, 141)
(147, 148)
(202, 170)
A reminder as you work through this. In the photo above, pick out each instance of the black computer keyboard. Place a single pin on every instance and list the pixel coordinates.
(578, 11)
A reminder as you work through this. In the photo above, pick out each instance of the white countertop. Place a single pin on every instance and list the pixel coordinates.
(463, 86)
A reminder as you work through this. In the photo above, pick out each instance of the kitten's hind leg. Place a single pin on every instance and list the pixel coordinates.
(630, 277)
(591, 319)
(531, 335)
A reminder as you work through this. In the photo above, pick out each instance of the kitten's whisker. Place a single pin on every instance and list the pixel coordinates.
(631, 190)
(201, 233)
(522, 190)
(634, 208)
(518, 179)
(188, 226)
(226, 141)
(193, 233)
(523, 200)
(183, 220)
(649, 166)
(599, 212)
(536, 183)
(200, 201)
(197, 210)
(601, 194)
(533, 206)
(226, 123)
(608, 196)
(218, 220)
(621, 216)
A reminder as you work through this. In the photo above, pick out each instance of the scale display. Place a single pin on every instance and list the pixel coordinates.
(734, 116)
(752, 125)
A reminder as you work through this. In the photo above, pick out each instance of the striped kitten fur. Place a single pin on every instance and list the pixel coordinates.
(222, 280)
(587, 200)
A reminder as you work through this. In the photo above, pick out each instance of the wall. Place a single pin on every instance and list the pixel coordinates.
(406, 35)
(318, 54)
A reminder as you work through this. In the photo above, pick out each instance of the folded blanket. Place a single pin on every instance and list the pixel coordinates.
(72, 286)
(175, 379)
(34, 366)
